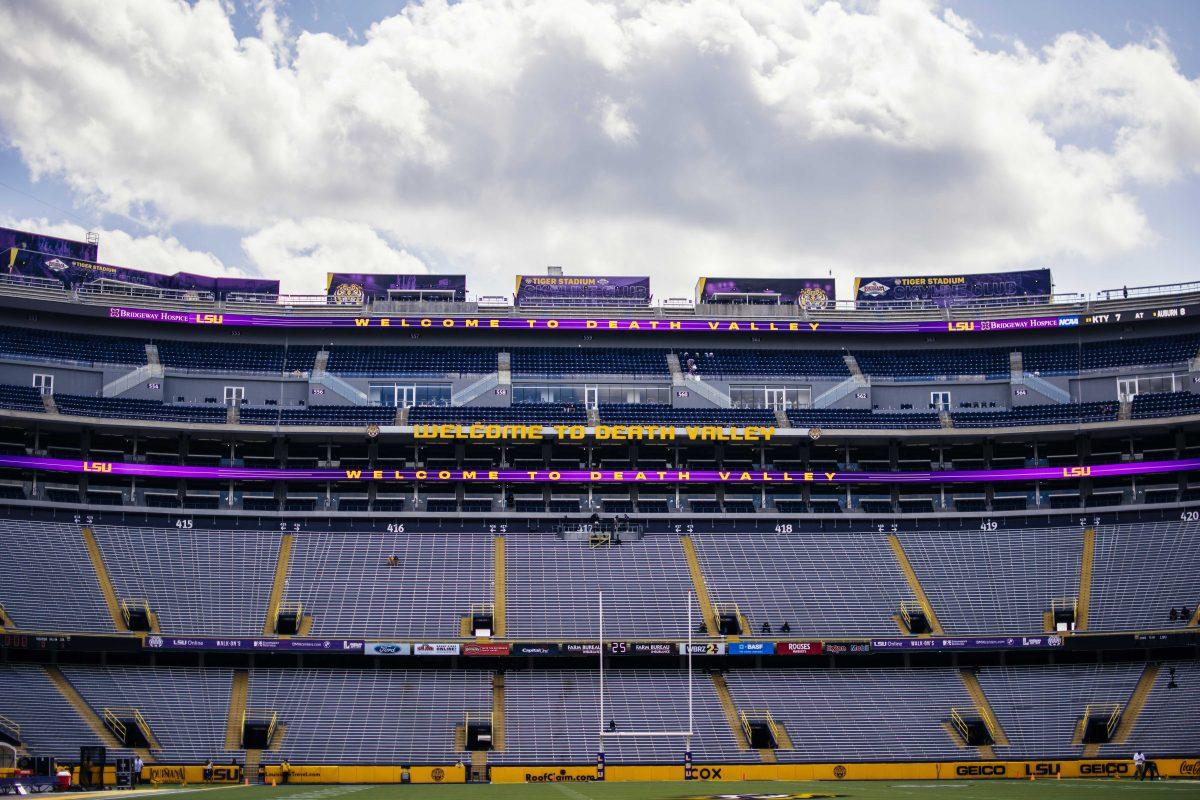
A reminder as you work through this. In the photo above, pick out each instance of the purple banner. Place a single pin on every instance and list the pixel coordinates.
(156, 642)
(953, 290)
(805, 292)
(76, 272)
(406, 323)
(358, 288)
(550, 289)
(970, 643)
(64, 248)
(595, 476)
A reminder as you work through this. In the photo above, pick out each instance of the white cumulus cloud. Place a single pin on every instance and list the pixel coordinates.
(640, 136)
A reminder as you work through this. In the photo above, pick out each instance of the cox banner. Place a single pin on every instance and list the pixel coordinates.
(804, 292)
(952, 290)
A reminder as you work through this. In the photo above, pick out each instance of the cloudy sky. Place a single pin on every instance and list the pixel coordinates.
(674, 139)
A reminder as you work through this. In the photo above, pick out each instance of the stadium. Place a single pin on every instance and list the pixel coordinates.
(576, 536)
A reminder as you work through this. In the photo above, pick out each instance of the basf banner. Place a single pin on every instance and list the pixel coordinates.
(551, 289)
(51, 245)
(804, 292)
(953, 290)
(357, 288)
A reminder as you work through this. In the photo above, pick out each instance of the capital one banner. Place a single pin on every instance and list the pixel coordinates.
(51, 245)
(952, 290)
(804, 292)
(354, 288)
(548, 289)
(627, 476)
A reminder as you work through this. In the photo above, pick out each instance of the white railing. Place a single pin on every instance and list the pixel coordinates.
(830, 396)
(1045, 387)
(118, 386)
(339, 386)
(711, 393)
(473, 390)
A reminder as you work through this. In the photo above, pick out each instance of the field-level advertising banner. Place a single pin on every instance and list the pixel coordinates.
(848, 771)
(799, 648)
(51, 245)
(750, 648)
(157, 642)
(72, 272)
(486, 649)
(702, 648)
(355, 288)
(804, 292)
(366, 774)
(436, 649)
(952, 290)
(550, 288)
(631, 476)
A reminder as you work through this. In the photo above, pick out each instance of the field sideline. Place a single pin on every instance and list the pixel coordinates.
(860, 790)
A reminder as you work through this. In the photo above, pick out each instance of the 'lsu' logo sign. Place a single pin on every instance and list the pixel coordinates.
(210, 319)
(97, 466)
(1076, 472)
(956, 327)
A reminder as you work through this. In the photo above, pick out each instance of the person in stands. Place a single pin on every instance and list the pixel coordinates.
(1185, 614)
(1174, 615)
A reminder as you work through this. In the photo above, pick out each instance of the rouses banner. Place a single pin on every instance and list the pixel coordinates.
(216, 643)
(946, 643)
(357, 288)
(66, 248)
(952, 290)
(535, 289)
(805, 292)
(76, 272)
(799, 648)
(47, 464)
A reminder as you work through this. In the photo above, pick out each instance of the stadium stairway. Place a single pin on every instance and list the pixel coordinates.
(277, 586)
(5, 620)
(1086, 564)
(702, 598)
(731, 713)
(103, 580)
(914, 584)
(499, 594)
(1132, 710)
(239, 690)
(85, 712)
(984, 709)
(498, 711)
(1195, 621)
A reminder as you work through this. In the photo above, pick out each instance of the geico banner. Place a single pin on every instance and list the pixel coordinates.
(629, 476)
(436, 649)
(387, 649)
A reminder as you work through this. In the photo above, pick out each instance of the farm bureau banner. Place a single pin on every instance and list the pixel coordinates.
(952, 290)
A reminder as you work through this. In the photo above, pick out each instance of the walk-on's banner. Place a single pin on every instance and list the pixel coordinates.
(953, 290)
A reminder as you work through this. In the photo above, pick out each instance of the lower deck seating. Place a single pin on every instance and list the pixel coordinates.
(49, 725)
(370, 716)
(40, 557)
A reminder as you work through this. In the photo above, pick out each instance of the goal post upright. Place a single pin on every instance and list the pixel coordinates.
(602, 733)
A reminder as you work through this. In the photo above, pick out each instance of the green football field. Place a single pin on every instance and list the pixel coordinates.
(861, 790)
